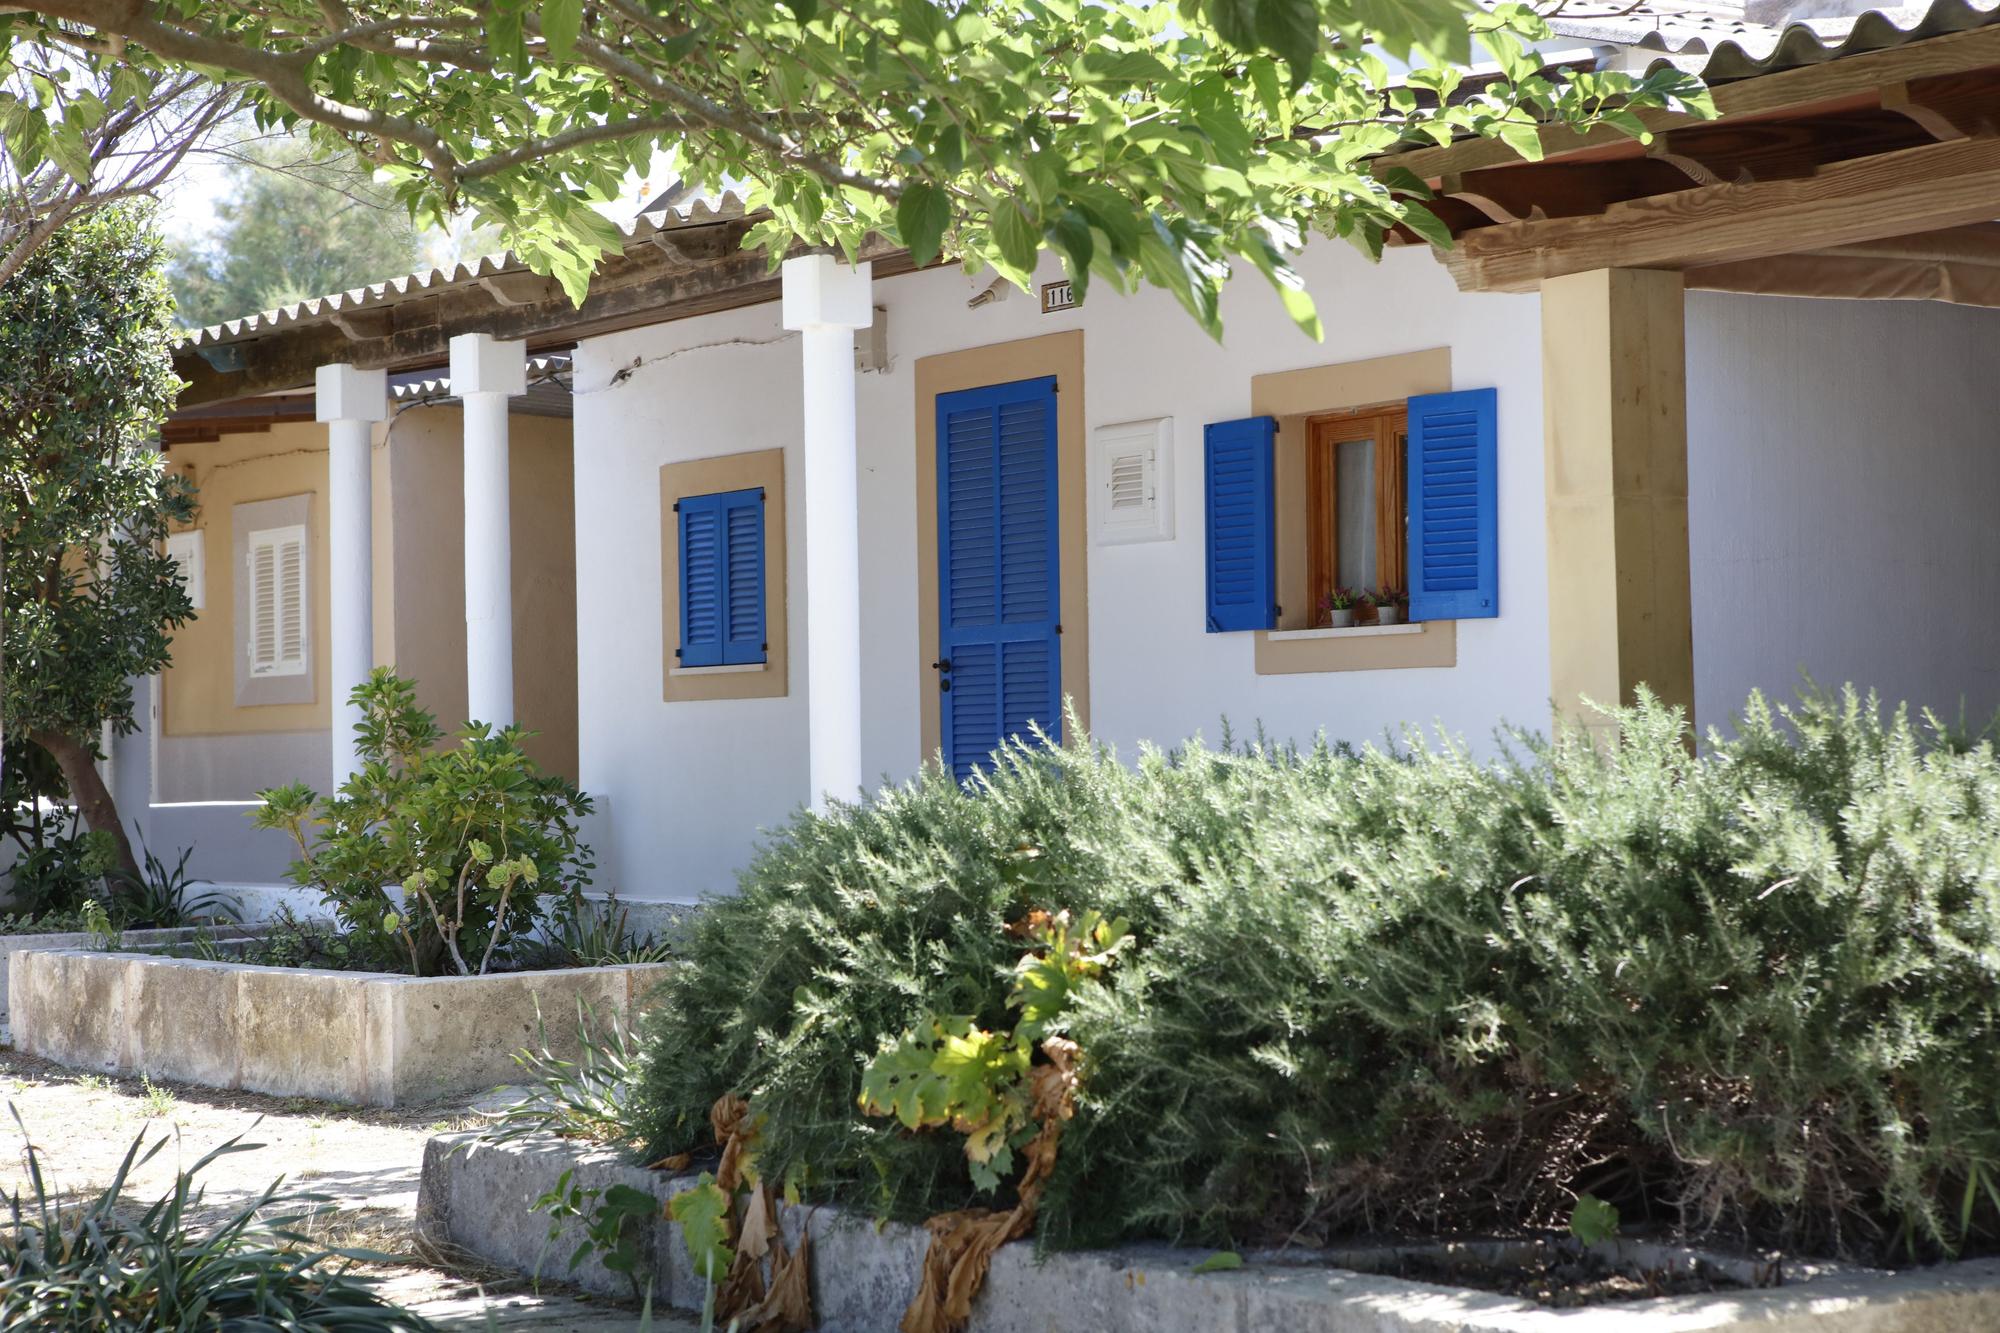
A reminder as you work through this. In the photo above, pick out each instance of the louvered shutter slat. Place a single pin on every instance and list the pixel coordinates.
(743, 578)
(1453, 468)
(278, 637)
(291, 597)
(263, 608)
(1242, 554)
(701, 581)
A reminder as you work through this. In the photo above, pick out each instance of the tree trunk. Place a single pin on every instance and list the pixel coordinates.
(87, 789)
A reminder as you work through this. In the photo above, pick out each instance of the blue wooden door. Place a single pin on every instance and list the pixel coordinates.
(999, 662)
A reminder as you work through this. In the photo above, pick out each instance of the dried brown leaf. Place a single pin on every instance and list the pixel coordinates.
(787, 1306)
(754, 1238)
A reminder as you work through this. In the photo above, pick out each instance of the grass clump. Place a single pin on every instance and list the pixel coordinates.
(1749, 995)
(104, 1264)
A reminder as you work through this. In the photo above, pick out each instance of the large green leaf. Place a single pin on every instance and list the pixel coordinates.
(922, 214)
(562, 20)
(703, 1216)
(1015, 236)
(1438, 27)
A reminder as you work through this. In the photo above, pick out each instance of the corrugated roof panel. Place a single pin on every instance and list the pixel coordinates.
(1720, 43)
(696, 211)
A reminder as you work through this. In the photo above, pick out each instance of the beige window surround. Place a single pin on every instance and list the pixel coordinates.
(1294, 398)
(706, 476)
(292, 681)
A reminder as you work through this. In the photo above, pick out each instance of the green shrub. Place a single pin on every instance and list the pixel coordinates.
(1751, 994)
(473, 833)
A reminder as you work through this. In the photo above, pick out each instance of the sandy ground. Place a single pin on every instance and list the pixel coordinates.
(365, 1161)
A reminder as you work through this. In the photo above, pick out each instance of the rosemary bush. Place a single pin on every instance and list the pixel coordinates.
(1750, 994)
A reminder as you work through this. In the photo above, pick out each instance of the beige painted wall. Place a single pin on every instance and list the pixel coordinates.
(427, 485)
(419, 559)
(198, 692)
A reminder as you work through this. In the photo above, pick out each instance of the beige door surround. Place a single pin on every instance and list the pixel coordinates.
(1057, 354)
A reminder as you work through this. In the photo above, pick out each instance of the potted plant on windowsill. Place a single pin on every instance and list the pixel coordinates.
(1336, 609)
(1391, 605)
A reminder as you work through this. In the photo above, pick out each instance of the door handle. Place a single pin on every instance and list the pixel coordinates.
(942, 664)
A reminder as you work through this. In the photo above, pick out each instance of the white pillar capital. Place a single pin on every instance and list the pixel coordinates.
(822, 292)
(482, 363)
(344, 392)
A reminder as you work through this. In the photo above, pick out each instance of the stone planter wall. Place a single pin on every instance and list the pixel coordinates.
(478, 1196)
(371, 1038)
(133, 939)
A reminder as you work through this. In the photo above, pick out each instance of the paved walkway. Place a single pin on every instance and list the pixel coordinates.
(367, 1161)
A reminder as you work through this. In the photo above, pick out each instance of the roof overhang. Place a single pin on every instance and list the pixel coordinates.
(673, 266)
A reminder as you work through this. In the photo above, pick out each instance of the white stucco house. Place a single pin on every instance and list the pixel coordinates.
(737, 541)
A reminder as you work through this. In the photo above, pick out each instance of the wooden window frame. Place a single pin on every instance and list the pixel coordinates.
(1387, 426)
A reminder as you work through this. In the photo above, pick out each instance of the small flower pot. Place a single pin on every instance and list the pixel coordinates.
(1341, 619)
(1388, 615)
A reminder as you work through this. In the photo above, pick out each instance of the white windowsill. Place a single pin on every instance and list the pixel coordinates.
(1350, 632)
(731, 670)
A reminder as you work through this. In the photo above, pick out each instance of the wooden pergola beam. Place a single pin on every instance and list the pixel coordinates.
(1853, 81)
(1938, 185)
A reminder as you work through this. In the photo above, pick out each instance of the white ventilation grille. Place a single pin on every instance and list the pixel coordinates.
(277, 585)
(184, 549)
(1132, 481)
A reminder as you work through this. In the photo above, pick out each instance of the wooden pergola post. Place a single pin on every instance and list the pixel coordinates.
(1614, 403)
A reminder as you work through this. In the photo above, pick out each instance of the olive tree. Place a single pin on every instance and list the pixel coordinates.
(86, 379)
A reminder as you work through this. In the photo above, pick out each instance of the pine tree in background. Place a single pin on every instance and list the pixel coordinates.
(294, 225)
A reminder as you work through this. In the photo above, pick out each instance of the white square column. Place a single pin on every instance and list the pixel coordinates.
(485, 373)
(349, 401)
(826, 301)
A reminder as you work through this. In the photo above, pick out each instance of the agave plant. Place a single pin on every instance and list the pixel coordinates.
(584, 1098)
(67, 1266)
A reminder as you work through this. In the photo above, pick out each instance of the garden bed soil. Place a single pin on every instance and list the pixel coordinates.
(366, 1038)
(479, 1197)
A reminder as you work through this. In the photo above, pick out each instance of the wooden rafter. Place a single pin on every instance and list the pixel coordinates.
(1837, 84)
(1735, 153)
(1939, 185)
(1949, 106)
(1560, 189)
(1720, 153)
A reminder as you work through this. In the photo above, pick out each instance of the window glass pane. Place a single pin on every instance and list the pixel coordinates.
(1354, 486)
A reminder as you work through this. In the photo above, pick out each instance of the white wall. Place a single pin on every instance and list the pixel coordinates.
(1843, 487)
(686, 786)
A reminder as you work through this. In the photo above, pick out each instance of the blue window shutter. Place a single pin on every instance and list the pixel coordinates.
(722, 578)
(743, 574)
(1242, 551)
(1453, 472)
(701, 581)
